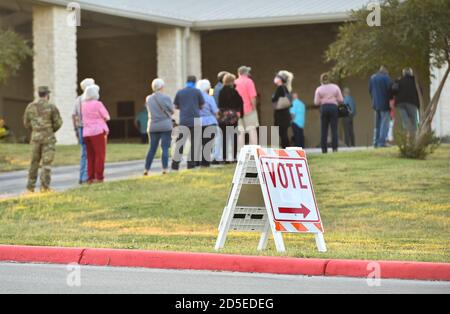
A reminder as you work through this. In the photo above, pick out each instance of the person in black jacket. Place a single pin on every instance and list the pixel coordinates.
(231, 108)
(283, 81)
(407, 98)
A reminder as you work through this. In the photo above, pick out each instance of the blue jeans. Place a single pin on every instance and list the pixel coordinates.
(166, 140)
(382, 120)
(83, 158)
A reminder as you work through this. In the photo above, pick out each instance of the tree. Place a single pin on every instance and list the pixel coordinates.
(413, 33)
(14, 50)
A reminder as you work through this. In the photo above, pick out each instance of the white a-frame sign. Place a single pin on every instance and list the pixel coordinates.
(272, 192)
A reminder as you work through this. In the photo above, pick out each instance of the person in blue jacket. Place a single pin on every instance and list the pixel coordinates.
(298, 112)
(380, 88)
(349, 130)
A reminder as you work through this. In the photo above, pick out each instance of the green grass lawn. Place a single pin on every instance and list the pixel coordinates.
(374, 206)
(17, 156)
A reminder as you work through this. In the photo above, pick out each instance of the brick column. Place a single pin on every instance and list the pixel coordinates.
(55, 62)
(170, 51)
(441, 123)
(194, 54)
(179, 55)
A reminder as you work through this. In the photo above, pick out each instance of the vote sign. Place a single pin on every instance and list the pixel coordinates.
(272, 192)
(289, 189)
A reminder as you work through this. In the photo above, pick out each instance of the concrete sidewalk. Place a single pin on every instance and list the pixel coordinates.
(63, 178)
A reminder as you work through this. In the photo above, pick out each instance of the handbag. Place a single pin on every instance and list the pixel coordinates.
(174, 123)
(344, 111)
(284, 102)
(228, 117)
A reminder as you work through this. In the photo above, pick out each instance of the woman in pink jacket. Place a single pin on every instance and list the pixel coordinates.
(95, 133)
(328, 97)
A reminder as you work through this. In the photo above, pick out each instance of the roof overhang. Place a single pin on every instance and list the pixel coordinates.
(272, 21)
(126, 14)
(212, 24)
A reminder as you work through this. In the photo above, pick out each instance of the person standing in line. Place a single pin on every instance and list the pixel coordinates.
(44, 120)
(349, 130)
(250, 121)
(407, 98)
(328, 96)
(209, 114)
(231, 108)
(77, 120)
(160, 109)
(95, 133)
(298, 112)
(141, 124)
(282, 103)
(219, 85)
(380, 88)
(189, 101)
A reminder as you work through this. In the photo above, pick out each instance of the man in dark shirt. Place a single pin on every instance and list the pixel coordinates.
(189, 101)
(408, 102)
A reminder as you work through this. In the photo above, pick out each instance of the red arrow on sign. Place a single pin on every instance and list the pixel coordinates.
(303, 210)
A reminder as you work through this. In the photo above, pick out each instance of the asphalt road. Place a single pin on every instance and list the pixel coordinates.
(64, 178)
(33, 279)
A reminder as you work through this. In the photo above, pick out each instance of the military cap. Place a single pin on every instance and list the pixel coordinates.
(43, 89)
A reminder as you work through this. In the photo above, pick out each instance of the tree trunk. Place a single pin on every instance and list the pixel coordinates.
(420, 93)
(427, 120)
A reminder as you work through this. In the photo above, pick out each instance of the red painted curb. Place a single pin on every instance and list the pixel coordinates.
(196, 261)
(389, 270)
(223, 262)
(50, 255)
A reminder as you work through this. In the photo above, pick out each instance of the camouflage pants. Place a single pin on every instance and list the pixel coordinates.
(41, 154)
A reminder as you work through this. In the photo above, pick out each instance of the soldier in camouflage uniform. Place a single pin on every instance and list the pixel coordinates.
(44, 120)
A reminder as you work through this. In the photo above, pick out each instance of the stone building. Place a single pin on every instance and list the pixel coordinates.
(125, 44)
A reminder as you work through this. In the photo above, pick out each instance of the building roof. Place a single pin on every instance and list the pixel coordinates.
(211, 14)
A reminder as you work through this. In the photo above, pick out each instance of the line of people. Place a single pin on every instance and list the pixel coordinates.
(389, 95)
(232, 105)
(207, 114)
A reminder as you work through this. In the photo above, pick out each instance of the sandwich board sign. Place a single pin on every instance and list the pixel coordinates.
(272, 193)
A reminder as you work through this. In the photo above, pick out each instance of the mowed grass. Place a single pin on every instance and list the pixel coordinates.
(17, 156)
(374, 206)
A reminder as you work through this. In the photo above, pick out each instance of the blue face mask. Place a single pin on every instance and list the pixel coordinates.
(190, 84)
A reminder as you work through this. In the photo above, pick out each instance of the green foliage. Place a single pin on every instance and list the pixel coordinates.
(413, 33)
(410, 33)
(412, 148)
(14, 50)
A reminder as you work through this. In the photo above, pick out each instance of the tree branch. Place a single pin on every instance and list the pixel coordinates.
(432, 108)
